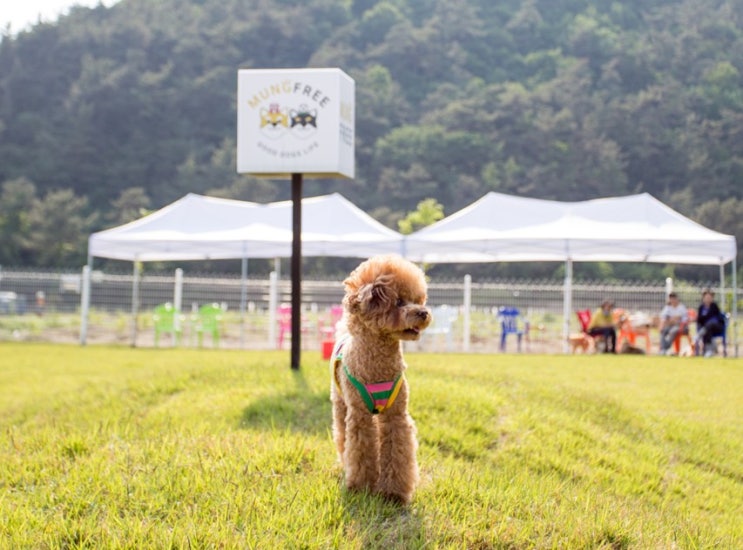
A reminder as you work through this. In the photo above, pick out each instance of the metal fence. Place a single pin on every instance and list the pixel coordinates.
(45, 306)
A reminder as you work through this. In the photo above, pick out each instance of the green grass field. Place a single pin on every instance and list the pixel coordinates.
(105, 447)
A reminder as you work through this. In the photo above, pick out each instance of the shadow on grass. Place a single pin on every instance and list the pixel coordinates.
(380, 523)
(297, 408)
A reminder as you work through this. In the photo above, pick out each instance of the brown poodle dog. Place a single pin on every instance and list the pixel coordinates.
(373, 432)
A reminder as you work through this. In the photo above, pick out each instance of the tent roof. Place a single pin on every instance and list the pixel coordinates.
(635, 228)
(196, 227)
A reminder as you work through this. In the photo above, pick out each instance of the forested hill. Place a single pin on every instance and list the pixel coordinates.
(112, 110)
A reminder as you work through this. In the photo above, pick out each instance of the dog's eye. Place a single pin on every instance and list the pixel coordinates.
(400, 302)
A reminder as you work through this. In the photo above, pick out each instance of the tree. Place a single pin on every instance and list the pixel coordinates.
(723, 216)
(429, 211)
(16, 200)
(563, 99)
(58, 229)
(131, 204)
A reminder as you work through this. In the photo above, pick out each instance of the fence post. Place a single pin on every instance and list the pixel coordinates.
(273, 291)
(243, 297)
(177, 301)
(84, 305)
(567, 305)
(467, 306)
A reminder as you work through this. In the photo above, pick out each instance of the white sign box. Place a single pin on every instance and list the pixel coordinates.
(295, 121)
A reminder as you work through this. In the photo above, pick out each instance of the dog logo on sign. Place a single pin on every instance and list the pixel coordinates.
(274, 121)
(303, 122)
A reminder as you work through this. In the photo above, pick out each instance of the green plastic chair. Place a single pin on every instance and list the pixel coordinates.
(209, 321)
(163, 318)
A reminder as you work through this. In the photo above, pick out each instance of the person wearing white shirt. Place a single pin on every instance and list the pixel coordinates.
(674, 317)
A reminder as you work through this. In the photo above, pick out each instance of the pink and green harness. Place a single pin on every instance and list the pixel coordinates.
(378, 396)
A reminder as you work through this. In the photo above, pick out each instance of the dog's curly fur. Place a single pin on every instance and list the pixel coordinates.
(384, 304)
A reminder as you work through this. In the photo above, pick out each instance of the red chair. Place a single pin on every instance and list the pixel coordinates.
(584, 318)
(327, 331)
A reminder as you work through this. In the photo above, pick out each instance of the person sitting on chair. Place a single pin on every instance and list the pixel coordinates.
(602, 324)
(673, 318)
(709, 322)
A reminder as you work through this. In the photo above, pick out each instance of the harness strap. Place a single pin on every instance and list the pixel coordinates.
(377, 396)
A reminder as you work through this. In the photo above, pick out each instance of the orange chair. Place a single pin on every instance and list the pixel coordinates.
(684, 333)
(629, 332)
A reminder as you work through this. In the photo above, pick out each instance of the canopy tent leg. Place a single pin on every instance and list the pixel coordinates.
(243, 298)
(467, 312)
(723, 301)
(85, 303)
(567, 305)
(734, 323)
(177, 304)
(136, 271)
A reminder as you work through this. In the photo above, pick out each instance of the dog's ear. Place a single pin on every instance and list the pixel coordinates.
(376, 295)
(354, 300)
(383, 295)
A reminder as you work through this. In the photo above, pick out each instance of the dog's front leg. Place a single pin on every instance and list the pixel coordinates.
(339, 424)
(361, 453)
(398, 445)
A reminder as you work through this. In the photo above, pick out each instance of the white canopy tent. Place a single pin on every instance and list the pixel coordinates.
(635, 228)
(206, 228)
(196, 227)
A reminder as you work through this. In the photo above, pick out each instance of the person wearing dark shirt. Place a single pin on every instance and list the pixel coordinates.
(709, 321)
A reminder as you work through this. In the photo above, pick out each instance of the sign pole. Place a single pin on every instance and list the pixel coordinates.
(292, 122)
(296, 269)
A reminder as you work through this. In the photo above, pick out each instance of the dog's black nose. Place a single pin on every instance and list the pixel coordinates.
(423, 314)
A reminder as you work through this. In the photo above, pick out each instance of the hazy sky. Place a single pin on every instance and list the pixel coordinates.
(23, 13)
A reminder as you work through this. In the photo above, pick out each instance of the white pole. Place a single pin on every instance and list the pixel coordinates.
(669, 286)
(272, 306)
(734, 319)
(135, 302)
(723, 301)
(243, 298)
(177, 302)
(84, 305)
(567, 305)
(466, 312)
